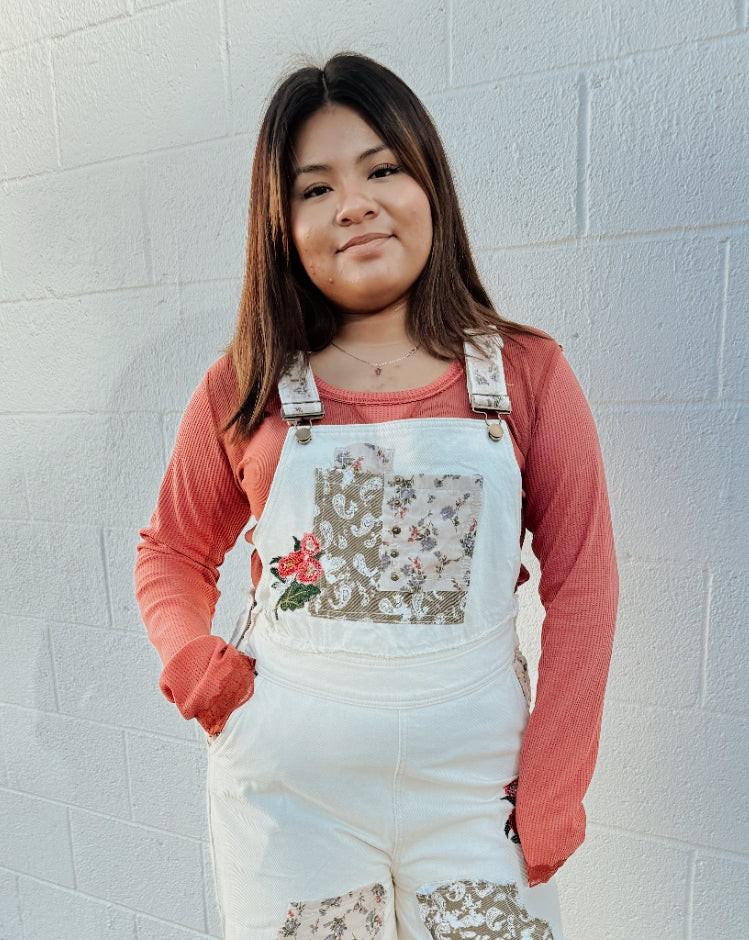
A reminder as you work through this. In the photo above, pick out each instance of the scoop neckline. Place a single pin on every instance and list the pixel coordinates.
(453, 372)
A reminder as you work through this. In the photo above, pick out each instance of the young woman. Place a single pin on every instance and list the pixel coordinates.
(373, 770)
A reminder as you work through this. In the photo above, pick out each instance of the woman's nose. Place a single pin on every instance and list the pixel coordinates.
(354, 206)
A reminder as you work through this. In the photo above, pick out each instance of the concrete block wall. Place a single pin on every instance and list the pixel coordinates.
(601, 154)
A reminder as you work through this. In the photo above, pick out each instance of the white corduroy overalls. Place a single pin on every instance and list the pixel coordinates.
(367, 788)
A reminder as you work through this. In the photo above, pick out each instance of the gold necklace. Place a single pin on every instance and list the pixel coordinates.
(377, 366)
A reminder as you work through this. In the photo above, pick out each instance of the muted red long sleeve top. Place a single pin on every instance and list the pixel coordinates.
(213, 485)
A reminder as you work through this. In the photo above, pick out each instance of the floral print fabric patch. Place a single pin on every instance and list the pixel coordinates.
(511, 794)
(478, 910)
(391, 547)
(363, 457)
(485, 375)
(429, 532)
(297, 385)
(520, 666)
(354, 916)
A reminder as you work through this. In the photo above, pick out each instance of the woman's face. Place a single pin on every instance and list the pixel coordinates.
(361, 225)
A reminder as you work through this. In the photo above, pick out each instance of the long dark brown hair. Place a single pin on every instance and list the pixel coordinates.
(281, 311)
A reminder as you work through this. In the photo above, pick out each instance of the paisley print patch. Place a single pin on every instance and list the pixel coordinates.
(478, 910)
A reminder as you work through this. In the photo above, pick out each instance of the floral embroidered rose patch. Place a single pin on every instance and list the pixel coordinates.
(298, 573)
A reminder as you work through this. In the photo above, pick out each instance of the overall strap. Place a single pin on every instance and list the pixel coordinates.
(485, 379)
(300, 400)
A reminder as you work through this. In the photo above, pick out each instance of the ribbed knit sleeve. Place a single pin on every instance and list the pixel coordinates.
(567, 511)
(199, 515)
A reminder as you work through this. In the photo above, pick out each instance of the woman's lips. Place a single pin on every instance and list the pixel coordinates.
(363, 240)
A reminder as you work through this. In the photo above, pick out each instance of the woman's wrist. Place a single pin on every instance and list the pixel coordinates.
(207, 679)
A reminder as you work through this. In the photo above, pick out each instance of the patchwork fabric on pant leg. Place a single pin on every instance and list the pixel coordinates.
(357, 915)
(479, 910)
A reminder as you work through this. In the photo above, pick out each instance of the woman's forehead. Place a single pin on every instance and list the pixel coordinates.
(333, 133)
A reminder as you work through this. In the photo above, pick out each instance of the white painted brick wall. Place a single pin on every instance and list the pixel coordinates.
(601, 154)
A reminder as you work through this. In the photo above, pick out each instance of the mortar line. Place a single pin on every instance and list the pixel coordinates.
(162, 286)
(51, 651)
(726, 251)
(107, 902)
(72, 847)
(55, 116)
(126, 158)
(690, 894)
(75, 807)
(28, 43)
(26, 491)
(673, 842)
(126, 412)
(166, 448)
(205, 880)
(742, 10)
(690, 710)
(126, 14)
(107, 588)
(147, 240)
(554, 70)
(671, 233)
(583, 155)
(6, 771)
(226, 66)
(702, 698)
(127, 775)
(17, 897)
(142, 732)
(567, 69)
(2, 273)
(134, 633)
(190, 931)
(727, 406)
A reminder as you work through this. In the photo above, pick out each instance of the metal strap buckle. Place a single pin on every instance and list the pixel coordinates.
(495, 429)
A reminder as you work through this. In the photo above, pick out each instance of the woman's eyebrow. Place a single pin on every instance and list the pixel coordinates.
(323, 167)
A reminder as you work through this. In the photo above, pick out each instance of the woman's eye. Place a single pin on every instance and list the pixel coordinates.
(319, 189)
(383, 170)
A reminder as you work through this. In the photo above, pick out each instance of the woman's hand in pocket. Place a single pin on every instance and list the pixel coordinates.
(208, 679)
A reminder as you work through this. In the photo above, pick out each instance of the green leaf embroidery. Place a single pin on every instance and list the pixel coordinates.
(295, 596)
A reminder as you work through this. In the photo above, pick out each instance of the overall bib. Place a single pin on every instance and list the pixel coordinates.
(367, 788)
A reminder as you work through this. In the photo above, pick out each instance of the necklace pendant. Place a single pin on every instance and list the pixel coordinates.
(378, 370)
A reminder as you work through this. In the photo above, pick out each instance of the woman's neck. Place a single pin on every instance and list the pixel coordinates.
(381, 328)
(373, 352)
